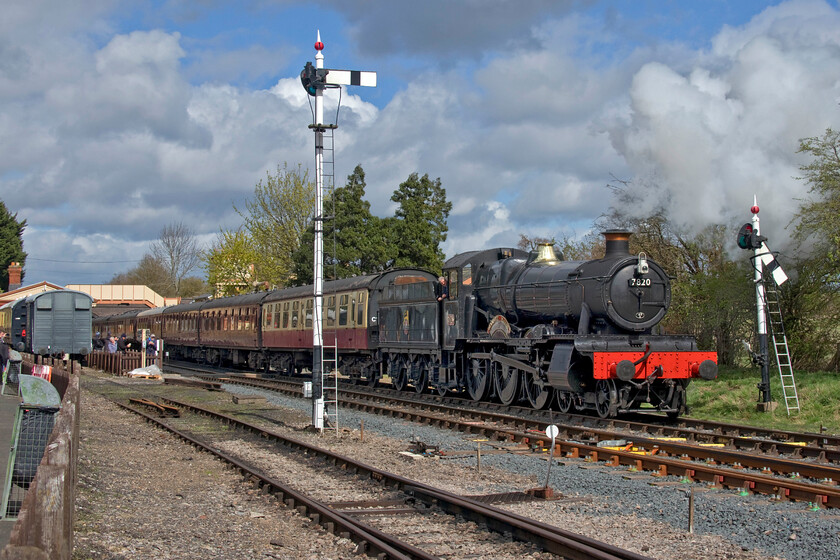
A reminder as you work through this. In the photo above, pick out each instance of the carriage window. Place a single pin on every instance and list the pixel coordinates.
(452, 281)
(82, 302)
(277, 316)
(360, 310)
(295, 306)
(44, 303)
(331, 311)
(286, 315)
(342, 310)
(308, 323)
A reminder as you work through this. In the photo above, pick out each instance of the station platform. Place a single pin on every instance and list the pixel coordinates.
(9, 404)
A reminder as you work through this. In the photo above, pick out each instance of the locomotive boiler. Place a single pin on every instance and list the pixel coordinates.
(618, 293)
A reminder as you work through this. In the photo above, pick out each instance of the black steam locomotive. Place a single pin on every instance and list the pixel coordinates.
(516, 326)
(522, 326)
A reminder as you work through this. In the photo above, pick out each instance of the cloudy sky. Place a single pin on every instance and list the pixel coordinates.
(118, 117)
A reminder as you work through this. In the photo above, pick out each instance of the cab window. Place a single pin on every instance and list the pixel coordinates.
(452, 282)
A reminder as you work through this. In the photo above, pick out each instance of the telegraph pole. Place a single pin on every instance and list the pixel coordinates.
(315, 80)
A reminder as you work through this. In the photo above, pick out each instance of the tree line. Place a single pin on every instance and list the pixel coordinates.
(713, 293)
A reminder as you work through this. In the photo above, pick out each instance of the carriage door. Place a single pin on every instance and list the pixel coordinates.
(451, 312)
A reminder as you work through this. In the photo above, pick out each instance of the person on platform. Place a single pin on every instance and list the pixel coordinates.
(4, 352)
(111, 344)
(98, 343)
(151, 348)
(122, 344)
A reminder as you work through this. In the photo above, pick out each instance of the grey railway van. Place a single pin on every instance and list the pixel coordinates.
(58, 322)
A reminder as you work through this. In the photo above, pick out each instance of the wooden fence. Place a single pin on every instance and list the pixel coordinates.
(44, 528)
(119, 363)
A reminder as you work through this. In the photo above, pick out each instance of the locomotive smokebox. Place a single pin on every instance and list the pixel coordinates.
(618, 243)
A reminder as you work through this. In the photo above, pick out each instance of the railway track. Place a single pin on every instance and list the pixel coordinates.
(748, 465)
(374, 494)
(819, 446)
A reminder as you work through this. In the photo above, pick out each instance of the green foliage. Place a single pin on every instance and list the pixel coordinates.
(11, 244)
(817, 217)
(811, 314)
(275, 219)
(192, 286)
(355, 241)
(150, 272)
(230, 264)
(419, 225)
(733, 398)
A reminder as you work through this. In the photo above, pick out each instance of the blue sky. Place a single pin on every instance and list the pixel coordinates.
(123, 116)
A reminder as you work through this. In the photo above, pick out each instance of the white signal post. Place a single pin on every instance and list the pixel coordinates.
(317, 323)
(764, 386)
(323, 77)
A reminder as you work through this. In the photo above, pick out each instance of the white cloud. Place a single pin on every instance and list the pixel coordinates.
(110, 135)
(703, 142)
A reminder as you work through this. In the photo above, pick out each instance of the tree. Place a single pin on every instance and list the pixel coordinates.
(231, 264)
(11, 244)
(275, 219)
(355, 241)
(419, 225)
(812, 296)
(177, 250)
(192, 286)
(817, 217)
(148, 272)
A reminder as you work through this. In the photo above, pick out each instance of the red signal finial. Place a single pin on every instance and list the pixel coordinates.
(319, 46)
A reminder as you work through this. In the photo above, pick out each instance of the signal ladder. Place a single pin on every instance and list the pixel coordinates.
(329, 348)
(772, 302)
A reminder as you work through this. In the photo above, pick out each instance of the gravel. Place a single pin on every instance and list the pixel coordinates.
(143, 494)
(754, 523)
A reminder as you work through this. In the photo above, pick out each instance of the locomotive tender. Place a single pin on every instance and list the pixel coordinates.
(516, 326)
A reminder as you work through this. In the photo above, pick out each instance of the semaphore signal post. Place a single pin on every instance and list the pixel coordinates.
(768, 276)
(315, 80)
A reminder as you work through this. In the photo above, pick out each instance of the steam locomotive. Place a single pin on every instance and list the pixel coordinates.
(515, 327)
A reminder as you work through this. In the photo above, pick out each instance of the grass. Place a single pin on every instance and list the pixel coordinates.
(733, 397)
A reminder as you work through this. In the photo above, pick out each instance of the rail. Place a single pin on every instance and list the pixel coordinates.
(44, 528)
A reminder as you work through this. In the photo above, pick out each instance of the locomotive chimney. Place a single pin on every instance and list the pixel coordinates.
(618, 243)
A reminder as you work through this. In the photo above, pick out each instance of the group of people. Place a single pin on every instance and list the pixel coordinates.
(111, 344)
